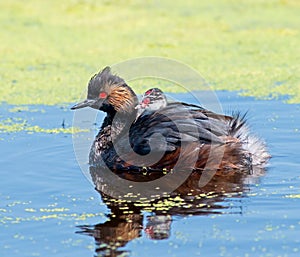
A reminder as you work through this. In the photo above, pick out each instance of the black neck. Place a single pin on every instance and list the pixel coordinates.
(118, 122)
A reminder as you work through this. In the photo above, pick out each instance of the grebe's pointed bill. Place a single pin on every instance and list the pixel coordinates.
(85, 103)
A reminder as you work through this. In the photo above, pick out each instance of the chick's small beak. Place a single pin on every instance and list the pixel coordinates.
(144, 105)
(141, 105)
(85, 103)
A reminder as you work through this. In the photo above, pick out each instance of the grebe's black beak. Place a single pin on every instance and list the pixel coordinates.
(85, 103)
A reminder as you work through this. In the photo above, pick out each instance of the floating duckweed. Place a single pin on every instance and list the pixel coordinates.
(19, 236)
(165, 171)
(30, 210)
(22, 108)
(178, 198)
(142, 204)
(59, 215)
(17, 125)
(54, 209)
(143, 198)
(266, 73)
(293, 196)
(124, 208)
(17, 203)
(85, 216)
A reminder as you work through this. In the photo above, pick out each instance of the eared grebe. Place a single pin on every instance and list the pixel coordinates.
(185, 130)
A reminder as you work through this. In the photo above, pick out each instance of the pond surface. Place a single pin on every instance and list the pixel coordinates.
(49, 208)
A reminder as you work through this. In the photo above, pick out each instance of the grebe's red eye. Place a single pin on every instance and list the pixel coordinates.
(102, 95)
(146, 101)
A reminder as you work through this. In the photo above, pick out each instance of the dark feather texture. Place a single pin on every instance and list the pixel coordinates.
(168, 133)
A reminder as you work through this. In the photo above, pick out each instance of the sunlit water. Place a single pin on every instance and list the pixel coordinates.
(49, 208)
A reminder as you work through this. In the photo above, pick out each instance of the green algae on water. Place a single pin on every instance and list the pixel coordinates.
(10, 125)
(50, 49)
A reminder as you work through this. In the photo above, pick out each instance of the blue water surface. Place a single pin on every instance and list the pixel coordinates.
(49, 208)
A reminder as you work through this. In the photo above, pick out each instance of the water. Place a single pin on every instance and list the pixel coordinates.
(48, 207)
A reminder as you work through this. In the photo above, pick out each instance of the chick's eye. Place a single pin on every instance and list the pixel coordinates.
(102, 95)
(149, 92)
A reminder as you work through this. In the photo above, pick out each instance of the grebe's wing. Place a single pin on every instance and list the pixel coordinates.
(177, 123)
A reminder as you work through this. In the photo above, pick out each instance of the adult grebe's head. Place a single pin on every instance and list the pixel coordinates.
(109, 93)
(153, 99)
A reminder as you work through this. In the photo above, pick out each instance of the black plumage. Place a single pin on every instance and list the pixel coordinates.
(169, 131)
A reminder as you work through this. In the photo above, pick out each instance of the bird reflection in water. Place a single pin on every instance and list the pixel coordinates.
(222, 195)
